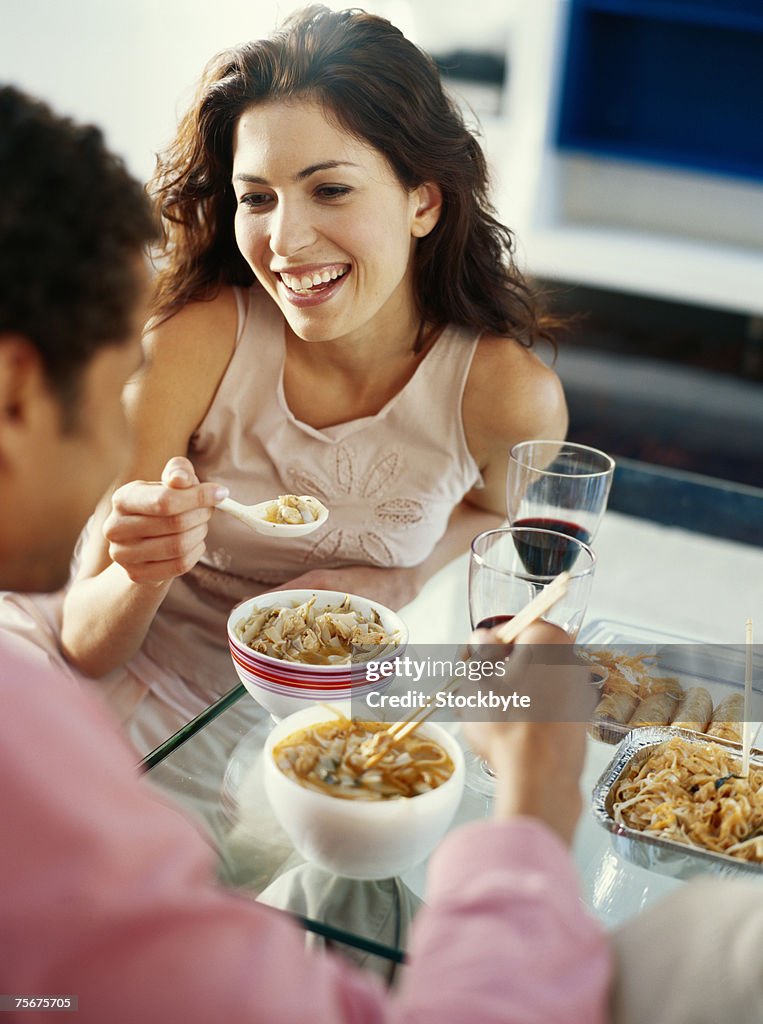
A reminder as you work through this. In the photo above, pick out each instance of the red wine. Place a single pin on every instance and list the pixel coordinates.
(492, 621)
(548, 556)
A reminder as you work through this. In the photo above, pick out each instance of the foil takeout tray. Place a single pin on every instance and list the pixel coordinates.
(665, 856)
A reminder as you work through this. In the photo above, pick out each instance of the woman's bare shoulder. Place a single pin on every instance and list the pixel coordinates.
(186, 358)
(511, 394)
(203, 331)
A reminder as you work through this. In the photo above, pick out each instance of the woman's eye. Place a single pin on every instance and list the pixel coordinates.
(332, 191)
(255, 199)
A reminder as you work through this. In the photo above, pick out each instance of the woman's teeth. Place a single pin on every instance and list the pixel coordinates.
(303, 284)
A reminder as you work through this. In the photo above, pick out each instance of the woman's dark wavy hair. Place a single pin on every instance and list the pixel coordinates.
(381, 88)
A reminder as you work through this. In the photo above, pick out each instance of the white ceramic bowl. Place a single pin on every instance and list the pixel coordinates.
(282, 701)
(357, 838)
(282, 687)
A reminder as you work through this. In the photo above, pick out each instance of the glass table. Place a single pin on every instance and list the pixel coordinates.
(650, 577)
(369, 919)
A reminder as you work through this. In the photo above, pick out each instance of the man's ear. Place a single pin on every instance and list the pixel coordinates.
(428, 198)
(23, 391)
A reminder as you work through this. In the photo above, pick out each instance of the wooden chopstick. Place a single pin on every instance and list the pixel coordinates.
(398, 730)
(506, 633)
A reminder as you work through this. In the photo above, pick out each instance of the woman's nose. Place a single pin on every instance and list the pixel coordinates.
(290, 229)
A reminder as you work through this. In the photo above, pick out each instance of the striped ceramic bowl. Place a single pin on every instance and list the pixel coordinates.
(283, 687)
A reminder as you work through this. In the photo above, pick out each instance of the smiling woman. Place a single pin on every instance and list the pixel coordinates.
(336, 313)
(347, 220)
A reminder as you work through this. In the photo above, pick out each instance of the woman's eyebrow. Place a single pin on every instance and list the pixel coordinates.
(326, 165)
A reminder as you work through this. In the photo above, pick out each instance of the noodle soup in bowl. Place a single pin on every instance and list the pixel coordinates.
(358, 837)
(291, 648)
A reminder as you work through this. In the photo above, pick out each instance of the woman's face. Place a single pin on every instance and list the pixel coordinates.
(324, 223)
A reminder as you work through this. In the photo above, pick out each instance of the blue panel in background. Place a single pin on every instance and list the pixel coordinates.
(686, 500)
(666, 81)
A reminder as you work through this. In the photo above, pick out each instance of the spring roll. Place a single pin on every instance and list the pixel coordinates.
(662, 684)
(695, 710)
(616, 707)
(658, 709)
(727, 718)
(611, 713)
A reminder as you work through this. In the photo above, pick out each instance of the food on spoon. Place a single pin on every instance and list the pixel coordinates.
(330, 757)
(293, 510)
(332, 635)
(693, 793)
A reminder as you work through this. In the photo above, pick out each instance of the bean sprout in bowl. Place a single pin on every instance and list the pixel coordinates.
(381, 832)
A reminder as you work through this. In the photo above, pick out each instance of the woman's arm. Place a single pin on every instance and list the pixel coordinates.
(152, 528)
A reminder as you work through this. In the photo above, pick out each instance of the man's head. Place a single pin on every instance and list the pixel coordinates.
(73, 291)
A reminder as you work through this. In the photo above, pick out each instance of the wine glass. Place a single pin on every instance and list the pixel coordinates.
(560, 486)
(507, 568)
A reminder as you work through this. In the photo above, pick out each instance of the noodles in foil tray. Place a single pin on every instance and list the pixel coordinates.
(675, 801)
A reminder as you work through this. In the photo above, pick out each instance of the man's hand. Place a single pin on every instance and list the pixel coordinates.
(537, 754)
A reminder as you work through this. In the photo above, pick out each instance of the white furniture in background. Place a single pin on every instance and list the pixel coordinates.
(610, 223)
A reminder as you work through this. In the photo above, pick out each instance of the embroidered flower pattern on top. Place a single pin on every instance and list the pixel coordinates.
(372, 486)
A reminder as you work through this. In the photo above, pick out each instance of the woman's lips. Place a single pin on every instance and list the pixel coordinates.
(314, 295)
(302, 279)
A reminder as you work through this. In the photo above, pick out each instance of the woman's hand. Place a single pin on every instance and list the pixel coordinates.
(156, 530)
(537, 761)
(391, 587)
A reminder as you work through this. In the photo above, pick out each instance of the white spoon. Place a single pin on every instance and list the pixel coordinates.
(255, 517)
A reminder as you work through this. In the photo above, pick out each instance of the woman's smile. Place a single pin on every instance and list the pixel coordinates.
(311, 285)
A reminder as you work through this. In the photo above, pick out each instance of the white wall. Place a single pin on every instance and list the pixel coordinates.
(130, 65)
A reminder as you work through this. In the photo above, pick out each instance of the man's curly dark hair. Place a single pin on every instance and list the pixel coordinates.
(73, 222)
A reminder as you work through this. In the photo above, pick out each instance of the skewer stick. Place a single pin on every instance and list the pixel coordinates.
(755, 737)
(506, 633)
(747, 724)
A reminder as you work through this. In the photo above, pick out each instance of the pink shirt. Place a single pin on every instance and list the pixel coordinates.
(107, 893)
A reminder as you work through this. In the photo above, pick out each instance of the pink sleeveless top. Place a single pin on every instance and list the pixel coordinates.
(390, 482)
